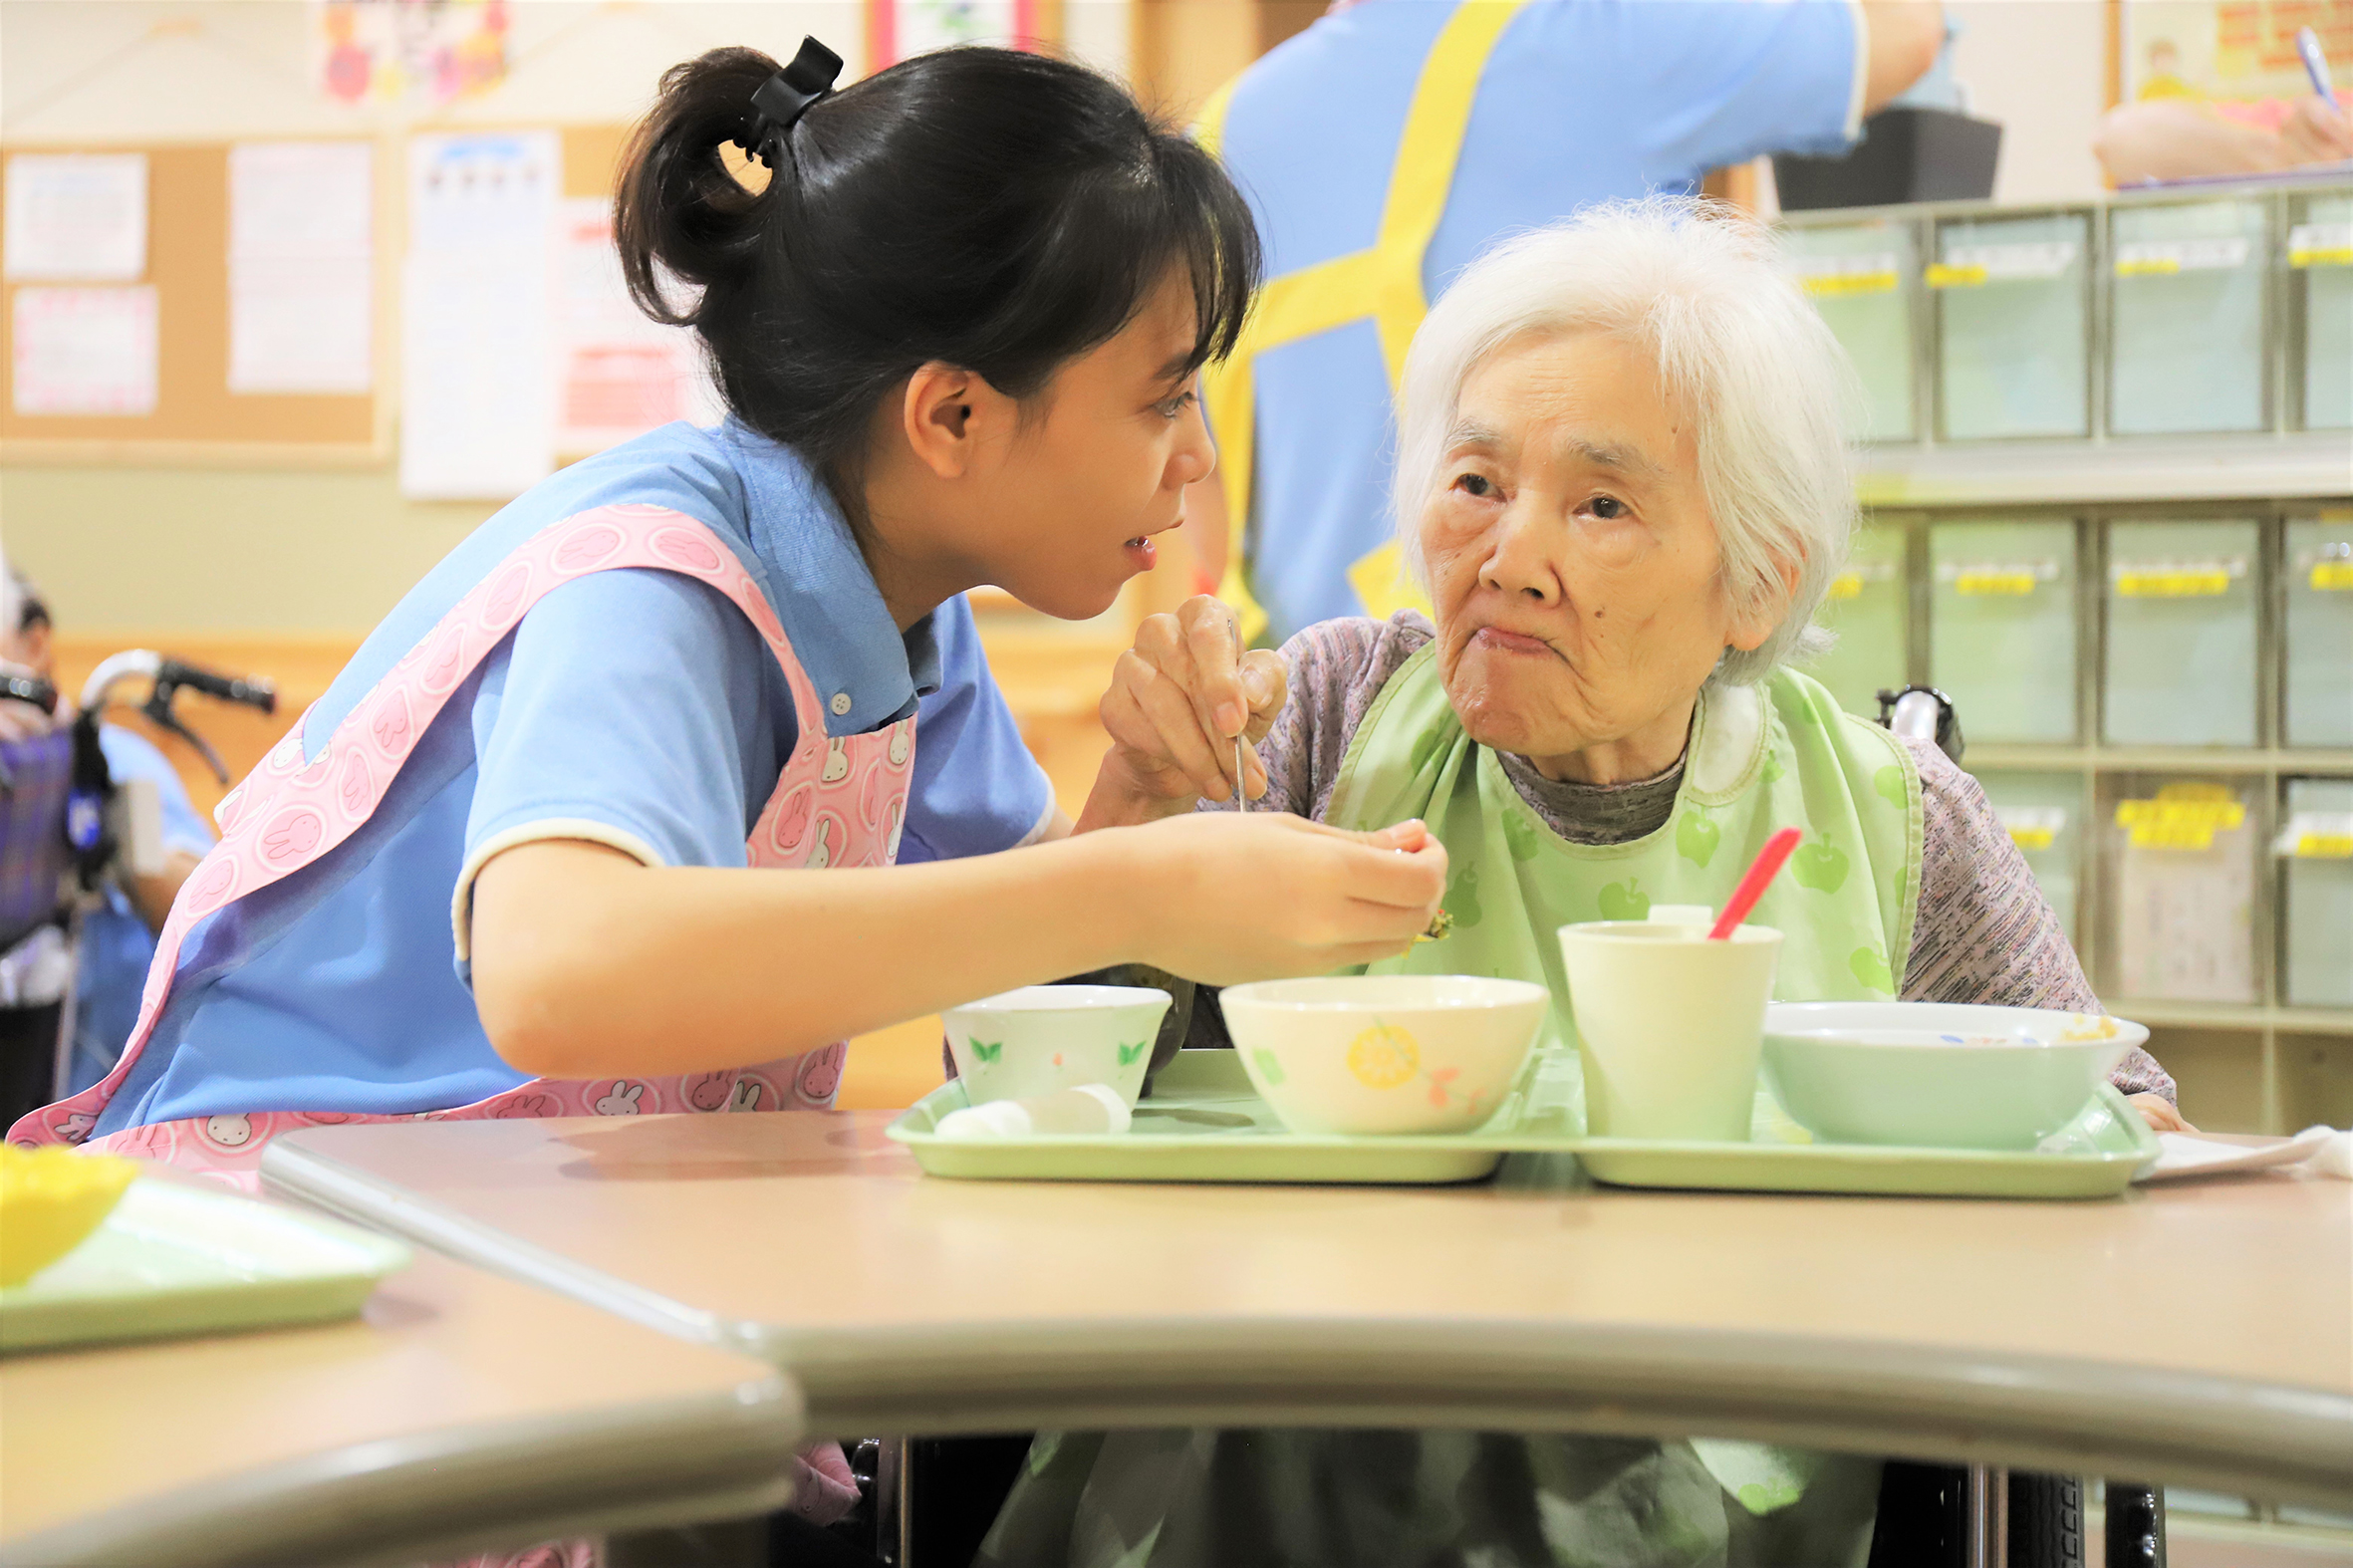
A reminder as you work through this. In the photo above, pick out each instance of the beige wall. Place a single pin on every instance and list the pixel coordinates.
(2040, 66)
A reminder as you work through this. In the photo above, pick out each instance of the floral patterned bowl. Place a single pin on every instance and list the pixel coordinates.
(1384, 1053)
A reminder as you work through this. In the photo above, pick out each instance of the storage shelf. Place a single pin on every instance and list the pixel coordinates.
(2157, 759)
(2227, 1016)
(2316, 465)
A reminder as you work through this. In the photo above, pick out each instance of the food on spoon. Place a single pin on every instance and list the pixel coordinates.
(51, 1199)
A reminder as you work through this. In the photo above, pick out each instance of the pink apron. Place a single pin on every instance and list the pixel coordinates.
(839, 802)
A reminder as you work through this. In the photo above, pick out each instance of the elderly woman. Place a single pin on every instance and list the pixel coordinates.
(1622, 475)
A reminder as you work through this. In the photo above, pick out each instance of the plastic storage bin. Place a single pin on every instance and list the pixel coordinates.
(2181, 857)
(2001, 628)
(2186, 318)
(2043, 813)
(2012, 327)
(2319, 599)
(2315, 850)
(1868, 610)
(1861, 277)
(2320, 259)
(2181, 604)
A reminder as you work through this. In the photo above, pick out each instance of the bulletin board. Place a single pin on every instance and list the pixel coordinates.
(197, 417)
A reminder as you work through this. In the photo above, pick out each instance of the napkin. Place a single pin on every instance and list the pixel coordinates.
(2330, 1152)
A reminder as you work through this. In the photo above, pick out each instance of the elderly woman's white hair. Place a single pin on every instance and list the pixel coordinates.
(1738, 348)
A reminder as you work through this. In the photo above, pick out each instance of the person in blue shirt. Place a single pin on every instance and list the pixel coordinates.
(958, 311)
(117, 939)
(1389, 142)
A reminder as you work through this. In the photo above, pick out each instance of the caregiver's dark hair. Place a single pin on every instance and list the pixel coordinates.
(999, 211)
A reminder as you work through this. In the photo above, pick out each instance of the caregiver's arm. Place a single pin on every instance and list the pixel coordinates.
(587, 962)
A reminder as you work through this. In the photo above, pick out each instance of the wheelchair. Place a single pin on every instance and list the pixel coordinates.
(66, 830)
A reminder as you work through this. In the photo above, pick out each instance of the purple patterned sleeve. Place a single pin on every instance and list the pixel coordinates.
(1984, 932)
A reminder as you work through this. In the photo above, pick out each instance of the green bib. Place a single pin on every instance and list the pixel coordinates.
(1762, 758)
(1765, 757)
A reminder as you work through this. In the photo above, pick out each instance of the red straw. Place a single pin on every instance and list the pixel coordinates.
(1762, 872)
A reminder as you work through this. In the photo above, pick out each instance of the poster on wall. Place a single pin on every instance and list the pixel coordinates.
(478, 415)
(77, 216)
(617, 372)
(427, 52)
(302, 266)
(84, 351)
(2227, 51)
(898, 29)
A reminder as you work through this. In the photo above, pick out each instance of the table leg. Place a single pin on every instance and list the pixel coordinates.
(1985, 1542)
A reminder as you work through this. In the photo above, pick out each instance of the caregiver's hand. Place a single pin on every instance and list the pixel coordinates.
(1177, 702)
(2159, 1113)
(1257, 897)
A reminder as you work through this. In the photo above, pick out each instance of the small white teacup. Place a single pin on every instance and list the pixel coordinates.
(1021, 1044)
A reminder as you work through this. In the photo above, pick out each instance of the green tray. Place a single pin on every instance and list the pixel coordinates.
(174, 1259)
(1205, 1123)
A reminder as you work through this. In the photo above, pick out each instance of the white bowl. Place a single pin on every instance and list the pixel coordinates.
(1384, 1053)
(1938, 1075)
(1020, 1044)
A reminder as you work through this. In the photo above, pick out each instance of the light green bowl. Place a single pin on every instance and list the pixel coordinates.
(1938, 1075)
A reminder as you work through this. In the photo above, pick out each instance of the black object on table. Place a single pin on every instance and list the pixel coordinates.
(1906, 154)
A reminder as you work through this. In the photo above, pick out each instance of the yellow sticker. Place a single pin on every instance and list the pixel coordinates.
(1838, 285)
(2180, 817)
(1995, 582)
(2324, 847)
(2026, 838)
(2332, 577)
(1941, 275)
(2148, 267)
(1846, 584)
(2321, 256)
(2201, 582)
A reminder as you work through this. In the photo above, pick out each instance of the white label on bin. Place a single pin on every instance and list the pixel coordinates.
(2316, 835)
(2032, 826)
(2320, 246)
(1998, 579)
(2175, 579)
(1967, 266)
(1836, 277)
(2150, 258)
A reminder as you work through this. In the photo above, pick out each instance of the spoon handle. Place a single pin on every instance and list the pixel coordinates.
(1762, 872)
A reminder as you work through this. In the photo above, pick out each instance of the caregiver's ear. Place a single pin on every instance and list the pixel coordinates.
(1748, 629)
(946, 412)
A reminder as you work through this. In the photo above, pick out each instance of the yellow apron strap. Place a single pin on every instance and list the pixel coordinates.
(1383, 283)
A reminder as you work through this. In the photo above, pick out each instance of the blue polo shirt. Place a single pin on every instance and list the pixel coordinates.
(1582, 101)
(631, 706)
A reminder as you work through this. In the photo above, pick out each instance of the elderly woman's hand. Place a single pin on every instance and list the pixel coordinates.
(1177, 700)
(2159, 1113)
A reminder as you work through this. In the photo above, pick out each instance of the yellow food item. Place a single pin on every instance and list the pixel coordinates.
(1384, 1057)
(50, 1199)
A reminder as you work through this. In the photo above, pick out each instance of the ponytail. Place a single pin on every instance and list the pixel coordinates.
(999, 211)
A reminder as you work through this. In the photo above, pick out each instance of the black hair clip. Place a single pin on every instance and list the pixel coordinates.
(785, 97)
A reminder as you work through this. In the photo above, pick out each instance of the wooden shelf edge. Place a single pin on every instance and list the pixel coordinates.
(2244, 1017)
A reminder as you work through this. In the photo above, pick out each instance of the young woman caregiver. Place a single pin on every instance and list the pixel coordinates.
(499, 869)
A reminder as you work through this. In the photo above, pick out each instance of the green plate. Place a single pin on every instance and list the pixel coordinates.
(174, 1259)
(1203, 1123)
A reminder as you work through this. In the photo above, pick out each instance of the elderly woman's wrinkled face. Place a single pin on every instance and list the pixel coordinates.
(1573, 561)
